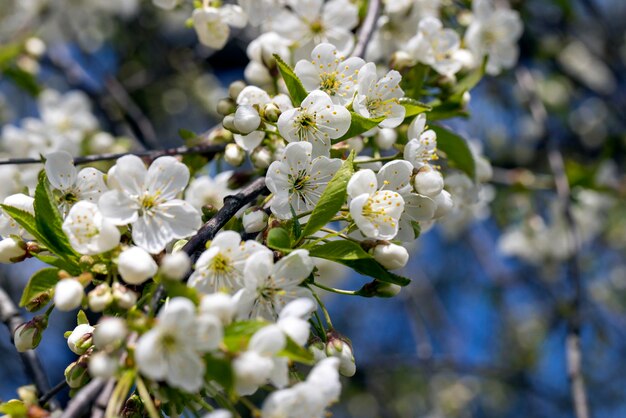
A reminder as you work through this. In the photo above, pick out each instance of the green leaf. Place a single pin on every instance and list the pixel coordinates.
(469, 81)
(352, 255)
(49, 221)
(296, 228)
(58, 262)
(296, 90)
(186, 135)
(413, 107)
(296, 353)
(278, 239)
(41, 282)
(81, 318)
(25, 219)
(238, 334)
(14, 408)
(447, 110)
(23, 79)
(456, 149)
(220, 371)
(331, 199)
(358, 125)
(413, 80)
(175, 288)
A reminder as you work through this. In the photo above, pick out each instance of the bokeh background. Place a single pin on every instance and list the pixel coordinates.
(481, 330)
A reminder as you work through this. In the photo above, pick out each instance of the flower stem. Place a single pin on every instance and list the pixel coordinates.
(329, 322)
(333, 290)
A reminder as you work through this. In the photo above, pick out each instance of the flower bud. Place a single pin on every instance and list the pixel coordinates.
(109, 333)
(391, 256)
(234, 155)
(39, 301)
(444, 204)
(80, 339)
(229, 123)
(101, 143)
(102, 365)
(428, 182)
(76, 374)
(339, 347)
(247, 119)
(318, 349)
(175, 266)
(254, 220)
(235, 88)
(136, 265)
(355, 144)
(12, 250)
(376, 288)
(225, 106)
(35, 47)
(271, 112)
(27, 336)
(68, 294)
(100, 297)
(261, 157)
(220, 305)
(401, 60)
(386, 138)
(124, 297)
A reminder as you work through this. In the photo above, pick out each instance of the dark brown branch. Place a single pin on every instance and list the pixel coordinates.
(84, 398)
(367, 28)
(52, 392)
(205, 149)
(573, 350)
(10, 315)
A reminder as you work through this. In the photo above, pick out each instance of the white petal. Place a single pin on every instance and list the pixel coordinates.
(60, 170)
(150, 357)
(129, 175)
(268, 340)
(396, 176)
(166, 177)
(293, 269)
(117, 207)
(362, 182)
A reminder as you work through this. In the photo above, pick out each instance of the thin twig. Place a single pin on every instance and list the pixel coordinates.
(52, 392)
(10, 315)
(367, 28)
(573, 350)
(205, 149)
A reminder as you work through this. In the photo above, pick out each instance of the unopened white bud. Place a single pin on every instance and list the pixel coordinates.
(109, 333)
(235, 89)
(261, 157)
(355, 144)
(102, 365)
(136, 265)
(254, 220)
(386, 138)
(220, 305)
(343, 351)
(100, 297)
(101, 143)
(401, 60)
(444, 204)
(234, 154)
(35, 47)
(123, 296)
(428, 182)
(11, 250)
(28, 335)
(391, 256)
(68, 294)
(484, 171)
(247, 119)
(176, 265)
(80, 339)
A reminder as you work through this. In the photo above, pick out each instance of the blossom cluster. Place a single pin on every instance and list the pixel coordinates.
(356, 167)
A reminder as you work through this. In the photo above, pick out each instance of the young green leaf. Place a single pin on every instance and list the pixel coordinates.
(49, 221)
(413, 80)
(296, 353)
(456, 149)
(352, 255)
(58, 262)
(296, 90)
(469, 81)
(81, 318)
(278, 239)
(23, 218)
(331, 199)
(413, 107)
(41, 282)
(358, 125)
(296, 228)
(220, 371)
(237, 334)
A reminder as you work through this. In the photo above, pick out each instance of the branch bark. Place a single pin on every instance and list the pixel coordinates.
(81, 403)
(10, 315)
(573, 350)
(206, 149)
(367, 28)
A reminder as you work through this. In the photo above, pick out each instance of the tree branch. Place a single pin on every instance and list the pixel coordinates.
(84, 398)
(205, 149)
(367, 28)
(573, 350)
(10, 315)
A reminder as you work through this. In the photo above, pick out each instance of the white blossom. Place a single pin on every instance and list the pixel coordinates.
(436, 46)
(422, 145)
(174, 266)
(220, 267)
(206, 190)
(68, 294)
(378, 98)
(494, 32)
(269, 286)
(80, 338)
(110, 332)
(11, 250)
(212, 24)
(172, 349)
(88, 231)
(297, 181)
(136, 265)
(317, 121)
(428, 181)
(391, 256)
(146, 199)
(330, 72)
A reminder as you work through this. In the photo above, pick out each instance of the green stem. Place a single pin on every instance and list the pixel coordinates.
(146, 398)
(333, 290)
(329, 322)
